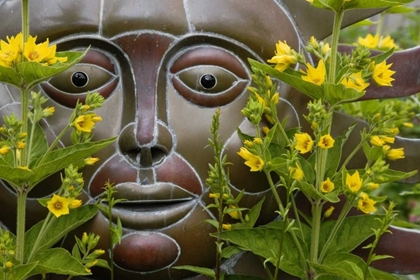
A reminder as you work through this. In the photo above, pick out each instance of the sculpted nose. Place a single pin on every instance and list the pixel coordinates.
(145, 52)
(147, 155)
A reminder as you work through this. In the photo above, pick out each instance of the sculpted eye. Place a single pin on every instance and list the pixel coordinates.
(209, 76)
(95, 72)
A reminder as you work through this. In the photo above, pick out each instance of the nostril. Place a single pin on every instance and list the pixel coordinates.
(146, 157)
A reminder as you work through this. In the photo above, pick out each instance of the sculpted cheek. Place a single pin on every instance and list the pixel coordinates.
(145, 252)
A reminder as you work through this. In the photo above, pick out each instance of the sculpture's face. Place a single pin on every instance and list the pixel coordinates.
(163, 68)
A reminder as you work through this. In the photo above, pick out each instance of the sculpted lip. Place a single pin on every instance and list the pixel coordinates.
(152, 206)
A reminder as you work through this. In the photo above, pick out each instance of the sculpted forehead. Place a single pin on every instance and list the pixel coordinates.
(256, 24)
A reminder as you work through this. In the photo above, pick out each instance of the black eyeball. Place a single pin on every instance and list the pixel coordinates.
(208, 81)
(79, 79)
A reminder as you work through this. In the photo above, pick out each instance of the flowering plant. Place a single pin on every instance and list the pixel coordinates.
(27, 158)
(312, 166)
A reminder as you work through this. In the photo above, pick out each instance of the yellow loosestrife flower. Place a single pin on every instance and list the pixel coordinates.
(355, 81)
(365, 204)
(329, 211)
(20, 145)
(373, 186)
(4, 149)
(315, 75)
(85, 123)
(387, 139)
(251, 160)
(75, 203)
(304, 142)
(11, 52)
(354, 182)
(226, 226)
(283, 57)
(377, 141)
(296, 173)
(382, 74)
(41, 53)
(369, 41)
(408, 124)
(326, 142)
(9, 264)
(394, 154)
(235, 214)
(58, 205)
(91, 160)
(327, 186)
(386, 43)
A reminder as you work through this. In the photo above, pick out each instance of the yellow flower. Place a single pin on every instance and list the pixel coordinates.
(373, 186)
(49, 111)
(394, 154)
(283, 57)
(217, 195)
(266, 130)
(326, 142)
(327, 186)
(355, 81)
(91, 160)
(58, 205)
(234, 214)
(326, 48)
(296, 173)
(365, 204)
(329, 211)
(226, 226)
(4, 149)
(85, 123)
(258, 141)
(387, 139)
(248, 143)
(11, 52)
(386, 43)
(41, 53)
(304, 142)
(408, 124)
(9, 264)
(251, 160)
(353, 182)
(369, 41)
(315, 75)
(75, 203)
(382, 74)
(377, 141)
(20, 145)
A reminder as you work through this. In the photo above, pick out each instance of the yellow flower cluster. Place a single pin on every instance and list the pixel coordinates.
(377, 42)
(15, 51)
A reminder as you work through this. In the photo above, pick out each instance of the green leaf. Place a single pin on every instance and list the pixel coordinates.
(22, 271)
(242, 277)
(200, 270)
(292, 78)
(372, 4)
(254, 213)
(342, 265)
(381, 57)
(264, 241)
(334, 154)
(394, 175)
(401, 10)
(352, 232)
(116, 232)
(58, 261)
(60, 227)
(310, 191)
(228, 252)
(10, 76)
(338, 93)
(34, 73)
(15, 175)
(39, 144)
(61, 158)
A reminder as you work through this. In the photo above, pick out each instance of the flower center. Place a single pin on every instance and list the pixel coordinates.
(58, 205)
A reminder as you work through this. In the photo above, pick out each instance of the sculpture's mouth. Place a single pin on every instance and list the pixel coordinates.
(151, 206)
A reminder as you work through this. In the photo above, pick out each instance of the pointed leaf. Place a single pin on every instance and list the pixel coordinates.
(200, 270)
(34, 73)
(58, 261)
(254, 213)
(292, 78)
(61, 158)
(39, 144)
(21, 272)
(60, 227)
(10, 76)
(338, 93)
(342, 265)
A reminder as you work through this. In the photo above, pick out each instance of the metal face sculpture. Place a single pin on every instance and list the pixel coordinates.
(163, 66)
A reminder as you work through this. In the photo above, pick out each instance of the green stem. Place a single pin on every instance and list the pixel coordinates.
(56, 140)
(316, 227)
(25, 20)
(346, 208)
(380, 24)
(111, 247)
(334, 45)
(355, 150)
(24, 107)
(44, 229)
(31, 139)
(20, 226)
